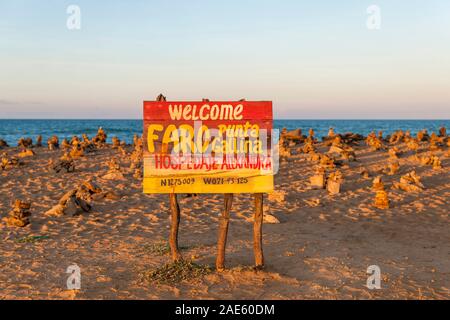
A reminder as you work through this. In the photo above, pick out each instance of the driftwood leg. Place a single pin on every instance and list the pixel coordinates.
(175, 222)
(223, 231)
(257, 231)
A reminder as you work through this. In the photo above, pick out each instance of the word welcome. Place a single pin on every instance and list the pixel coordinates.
(205, 112)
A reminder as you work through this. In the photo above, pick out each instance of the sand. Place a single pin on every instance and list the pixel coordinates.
(321, 248)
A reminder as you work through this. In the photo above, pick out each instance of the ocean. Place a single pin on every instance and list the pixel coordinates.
(13, 130)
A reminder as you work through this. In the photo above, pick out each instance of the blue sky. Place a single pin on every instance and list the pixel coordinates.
(314, 59)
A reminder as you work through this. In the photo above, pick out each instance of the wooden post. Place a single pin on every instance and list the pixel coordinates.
(257, 231)
(174, 213)
(175, 222)
(223, 231)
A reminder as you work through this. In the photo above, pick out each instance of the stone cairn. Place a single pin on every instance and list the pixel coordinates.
(365, 174)
(396, 137)
(115, 142)
(431, 160)
(77, 201)
(392, 168)
(65, 164)
(100, 139)
(65, 144)
(25, 144)
(136, 156)
(39, 141)
(381, 197)
(394, 153)
(409, 183)
(87, 145)
(76, 151)
(334, 182)
(308, 147)
(422, 135)
(283, 148)
(20, 214)
(114, 172)
(435, 142)
(53, 143)
(436, 163)
(3, 144)
(25, 153)
(75, 141)
(293, 137)
(311, 134)
(331, 133)
(318, 180)
(443, 132)
(8, 163)
(412, 144)
(374, 141)
(344, 151)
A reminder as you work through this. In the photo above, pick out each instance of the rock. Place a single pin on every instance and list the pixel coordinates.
(318, 180)
(374, 142)
(393, 168)
(138, 173)
(71, 208)
(381, 200)
(77, 201)
(436, 163)
(100, 138)
(283, 148)
(270, 219)
(26, 153)
(8, 163)
(377, 184)
(396, 137)
(393, 153)
(53, 143)
(76, 152)
(365, 173)
(334, 182)
(412, 144)
(65, 145)
(115, 142)
(442, 132)
(25, 143)
(409, 183)
(331, 133)
(422, 135)
(3, 144)
(75, 141)
(39, 141)
(114, 172)
(19, 216)
(56, 211)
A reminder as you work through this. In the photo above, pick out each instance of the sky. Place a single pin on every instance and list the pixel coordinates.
(313, 59)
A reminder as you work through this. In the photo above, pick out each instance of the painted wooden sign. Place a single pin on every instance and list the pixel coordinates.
(208, 147)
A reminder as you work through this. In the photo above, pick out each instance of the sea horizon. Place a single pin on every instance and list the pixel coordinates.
(11, 130)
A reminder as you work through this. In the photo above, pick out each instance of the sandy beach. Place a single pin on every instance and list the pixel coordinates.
(320, 249)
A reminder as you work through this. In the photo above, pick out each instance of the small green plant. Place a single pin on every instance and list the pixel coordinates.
(31, 239)
(175, 272)
(161, 248)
